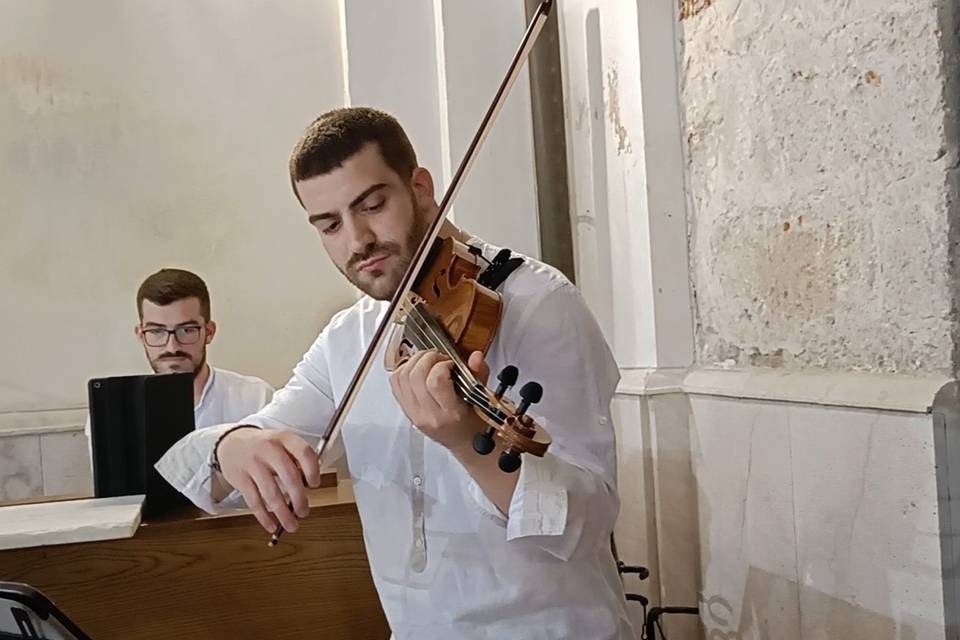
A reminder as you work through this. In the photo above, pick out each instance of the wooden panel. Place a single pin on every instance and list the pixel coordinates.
(214, 577)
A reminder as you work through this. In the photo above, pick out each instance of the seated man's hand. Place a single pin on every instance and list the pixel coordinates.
(263, 464)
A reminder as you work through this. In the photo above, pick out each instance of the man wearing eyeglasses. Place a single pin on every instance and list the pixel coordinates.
(175, 329)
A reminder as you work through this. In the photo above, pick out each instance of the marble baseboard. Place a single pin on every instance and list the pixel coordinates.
(44, 462)
(783, 519)
(39, 422)
(65, 460)
(21, 474)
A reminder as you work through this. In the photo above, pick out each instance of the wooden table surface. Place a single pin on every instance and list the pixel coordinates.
(197, 576)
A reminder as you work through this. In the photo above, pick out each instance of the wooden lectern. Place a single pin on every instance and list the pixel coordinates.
(192, 575)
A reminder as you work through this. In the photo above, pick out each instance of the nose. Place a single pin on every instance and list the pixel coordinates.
(359, 234)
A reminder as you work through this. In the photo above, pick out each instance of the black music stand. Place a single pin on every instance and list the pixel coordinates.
(27, 614)
(133, 421)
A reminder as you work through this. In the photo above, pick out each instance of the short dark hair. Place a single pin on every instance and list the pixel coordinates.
(169, 285)
(338, 134)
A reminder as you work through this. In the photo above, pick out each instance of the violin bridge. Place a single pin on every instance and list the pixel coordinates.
(406, 306)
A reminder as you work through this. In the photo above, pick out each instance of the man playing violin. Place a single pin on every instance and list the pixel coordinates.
(457, 547)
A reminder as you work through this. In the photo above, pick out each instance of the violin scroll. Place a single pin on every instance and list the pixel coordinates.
(510, 425)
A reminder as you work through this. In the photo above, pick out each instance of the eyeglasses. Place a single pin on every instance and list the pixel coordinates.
(160, 336)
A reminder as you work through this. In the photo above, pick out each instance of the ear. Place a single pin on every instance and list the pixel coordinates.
(138, 331)
(211, 331)
(422, 184)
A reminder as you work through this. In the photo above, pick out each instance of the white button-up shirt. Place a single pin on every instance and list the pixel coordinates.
(228, 396)
(446, 562)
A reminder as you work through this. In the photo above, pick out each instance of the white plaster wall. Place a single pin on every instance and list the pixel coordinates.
(391, 61)
(817, 168)
(606, 154)
(142, 135)
(498, 201)
(624, 150)
(436, 66)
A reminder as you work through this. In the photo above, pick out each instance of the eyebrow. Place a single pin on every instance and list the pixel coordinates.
(356, 201)
(188, 323)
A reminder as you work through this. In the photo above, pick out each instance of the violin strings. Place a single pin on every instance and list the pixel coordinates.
(426, 323)
(428, 337)
(442, 340)
(470, 395)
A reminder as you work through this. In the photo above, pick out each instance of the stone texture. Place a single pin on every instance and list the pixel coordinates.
(818, 164)
(35, 525)
(21, 474)
(66, 464)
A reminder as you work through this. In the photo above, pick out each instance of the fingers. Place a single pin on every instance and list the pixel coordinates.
(439, 386)
(270, 469)
(408, 387)
(426, 381)
(273, 499)
(306, 458)
(424, 387)
(251, 495)
(400, 383)
(289, 478)
(479, 366)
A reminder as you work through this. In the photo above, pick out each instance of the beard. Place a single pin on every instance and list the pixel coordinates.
(382, 283)
(165, 362)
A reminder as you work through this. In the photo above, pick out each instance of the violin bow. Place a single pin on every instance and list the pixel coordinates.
(416, 264)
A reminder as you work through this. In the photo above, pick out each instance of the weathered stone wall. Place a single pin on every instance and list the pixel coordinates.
(820, 146)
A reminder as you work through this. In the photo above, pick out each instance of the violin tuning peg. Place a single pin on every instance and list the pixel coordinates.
(483, 442)
(509, 461)
(507, 377)
(531, 393)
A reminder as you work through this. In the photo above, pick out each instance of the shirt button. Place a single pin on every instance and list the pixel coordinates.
(417, 480)
(603, 421)
(419, 543)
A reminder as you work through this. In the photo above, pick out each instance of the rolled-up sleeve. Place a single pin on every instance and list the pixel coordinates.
(567, 500)
(187, 467)
(304, 406)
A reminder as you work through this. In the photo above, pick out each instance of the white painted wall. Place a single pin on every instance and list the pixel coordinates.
(436, 67)
(142, 135)
(389, 49)
(626, 173)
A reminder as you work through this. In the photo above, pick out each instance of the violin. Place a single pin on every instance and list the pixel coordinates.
(450, 311)
(439, 304)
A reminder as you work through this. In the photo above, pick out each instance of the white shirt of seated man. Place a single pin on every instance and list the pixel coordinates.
(174, 336)
(458, 549)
